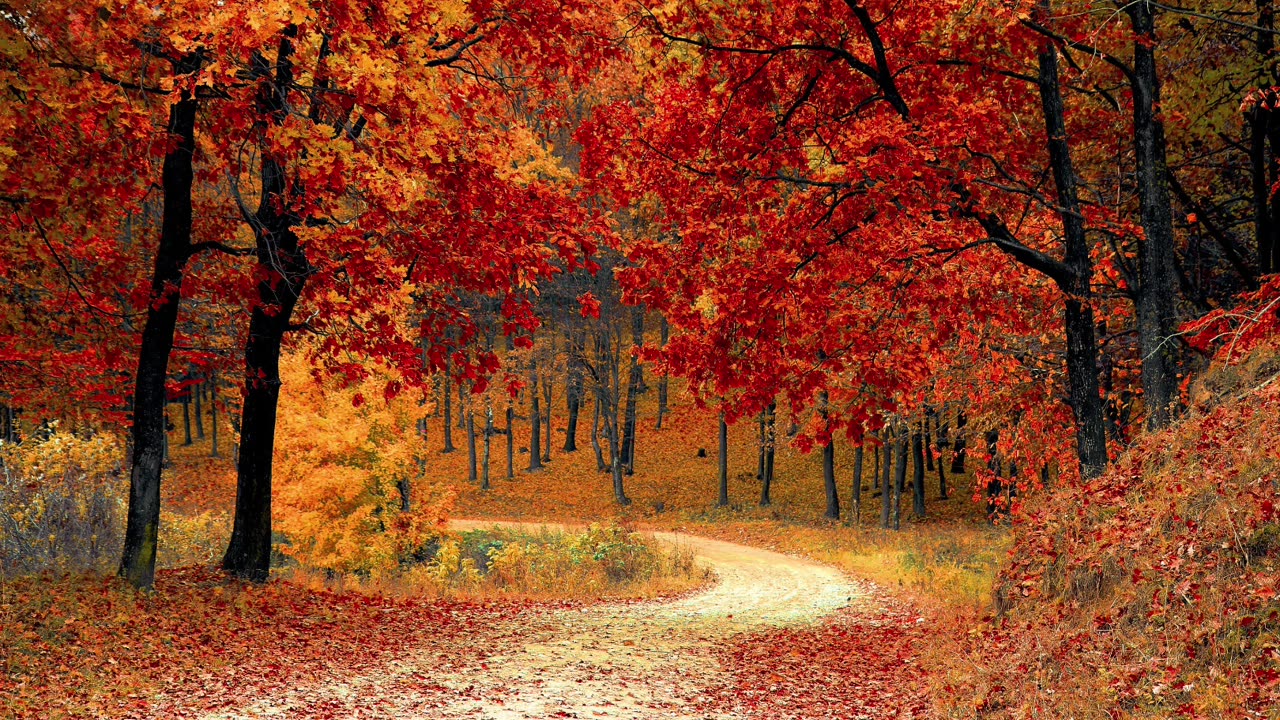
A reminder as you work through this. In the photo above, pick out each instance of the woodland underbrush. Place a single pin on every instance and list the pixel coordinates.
(600, 562)
(1151, 592)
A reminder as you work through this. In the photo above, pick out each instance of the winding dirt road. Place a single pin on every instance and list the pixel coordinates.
(620, 661)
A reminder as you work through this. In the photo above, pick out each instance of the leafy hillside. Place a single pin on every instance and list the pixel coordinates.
(1152, 590)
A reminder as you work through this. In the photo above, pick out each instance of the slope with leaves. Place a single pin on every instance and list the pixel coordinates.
(1152, 591)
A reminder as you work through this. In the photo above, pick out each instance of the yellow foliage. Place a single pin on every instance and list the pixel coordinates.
(61, 503)
(344, 459)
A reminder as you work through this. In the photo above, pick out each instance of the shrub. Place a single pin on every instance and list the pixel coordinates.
(61, 504)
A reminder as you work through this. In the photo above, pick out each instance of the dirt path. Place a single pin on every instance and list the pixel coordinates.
(620, 661)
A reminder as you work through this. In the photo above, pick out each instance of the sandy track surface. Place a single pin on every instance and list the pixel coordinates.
(627, 661)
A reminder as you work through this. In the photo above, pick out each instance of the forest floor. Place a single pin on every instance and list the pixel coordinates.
(776, 636)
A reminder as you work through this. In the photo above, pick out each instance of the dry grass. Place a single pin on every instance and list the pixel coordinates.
(601, 562)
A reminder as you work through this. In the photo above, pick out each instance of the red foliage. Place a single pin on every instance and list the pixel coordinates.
(93, 648)
(862, 663)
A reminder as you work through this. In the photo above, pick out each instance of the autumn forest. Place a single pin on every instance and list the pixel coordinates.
(636, 359)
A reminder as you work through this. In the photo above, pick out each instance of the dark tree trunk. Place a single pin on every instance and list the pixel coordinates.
(402, 487)
(573, 393)
(1082, 345)
(900, 479)
(546, 420)
(995, 488)
(1157, 287)
(147, 432)
(928, 441)
(664, 329)
(473, 473)
(601, 465)
(511, 441)
(200, 411)
(771, 440)
(917, 475)
(957, 456)
(284, 268)
(213, 414)
(886, 481)
(829, 463)
(1263, 170)
(535, 419)
(186, 420)
(857, 485)
(760, 439)
(635, 380)
(723, 474)
(488, 443)
(448, 409)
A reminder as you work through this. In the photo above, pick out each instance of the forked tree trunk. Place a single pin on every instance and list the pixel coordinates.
(284, 270)
(771, 441)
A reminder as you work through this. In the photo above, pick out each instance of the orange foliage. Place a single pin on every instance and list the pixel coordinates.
(90, 647)
(1152, 591)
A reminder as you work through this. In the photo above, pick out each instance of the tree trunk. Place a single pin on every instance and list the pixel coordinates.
(1157, 289)
(473, 473)
(200, 411)
(488, 442)
(284, 268)
(829, 463)
(635, 379)
(886, 482)
(448, 409)
(760, 440)
(900, 477)
(857, 485)
(511, 441)
(213, 414)
(917, 475)
(546, 420)
(573, 393)
(723, 474)
(147, 432)
(186, 419)
(995, 488)
(601, 466)
(664, 334)
(535, 419)
(1082, 345)
(957, 457)
(1263, 170)
(771, 440)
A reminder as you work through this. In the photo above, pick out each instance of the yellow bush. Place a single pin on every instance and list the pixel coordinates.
(344, 459)
(61, 503)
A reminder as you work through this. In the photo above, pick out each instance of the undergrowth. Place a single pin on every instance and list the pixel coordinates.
(600, 562)
(1151, 592)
